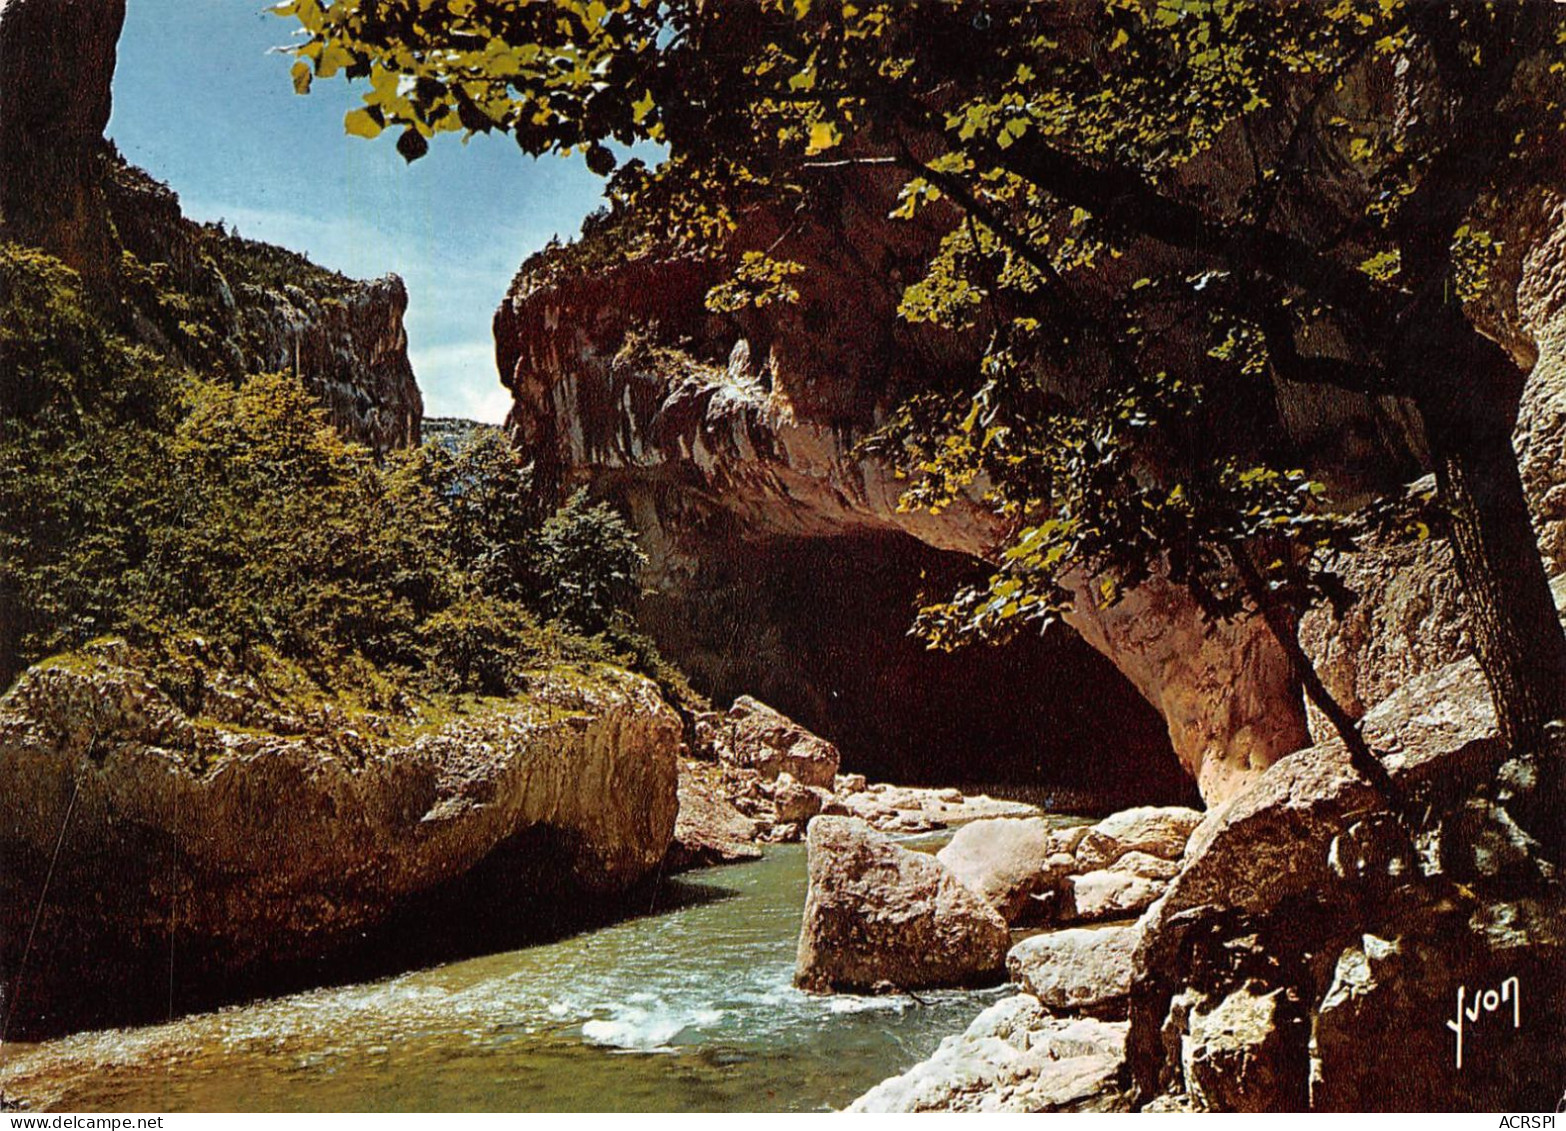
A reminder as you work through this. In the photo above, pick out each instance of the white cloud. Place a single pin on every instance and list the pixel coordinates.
(459, 379)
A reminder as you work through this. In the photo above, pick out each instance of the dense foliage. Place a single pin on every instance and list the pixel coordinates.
(1308, 191)
(139, 499)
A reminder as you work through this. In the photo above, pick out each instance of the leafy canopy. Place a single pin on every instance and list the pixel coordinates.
(1250, 159)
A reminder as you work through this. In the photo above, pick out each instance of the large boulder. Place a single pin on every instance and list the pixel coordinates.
(709, 829)
(1241, 1053)
(286, 839)
(1011, 863)
(1476, 998)
(796, 803)
(757, 736)
(878, 915)
(1110, 894)
(1013, 1057)
(1273, 842)
(1156, 831)
(1082, 969)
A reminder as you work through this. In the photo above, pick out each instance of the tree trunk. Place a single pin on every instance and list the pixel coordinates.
(1468, 418)
(1284, 631)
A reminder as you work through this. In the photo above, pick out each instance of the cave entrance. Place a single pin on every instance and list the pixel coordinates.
(818, 628)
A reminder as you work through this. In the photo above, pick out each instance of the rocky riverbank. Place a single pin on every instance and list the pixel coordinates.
(1305, 921)
(175, 854)
(757, 777)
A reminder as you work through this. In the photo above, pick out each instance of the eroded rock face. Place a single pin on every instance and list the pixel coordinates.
(878, 915)
(749, 432)
(270, 845)
(272, 310)
(56, 60)
(699, 451)
(1408, 618)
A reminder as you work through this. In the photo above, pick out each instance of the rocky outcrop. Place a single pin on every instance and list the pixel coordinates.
(1082, 969)
(734, 436)
(748, 761)
(56, 61)
(282, 839)
(1408, 616)
(708, 828)
(1011, 863)
(1159, 832)
(730, 461)
(1238, 1055)
(1111, 894)
(218, 302)
(266, 309)
(1014, 1057)
(757, 737)
(1306, 923)
(1039, 872)
(1270, 845)
(1315, 950)
(879, 916)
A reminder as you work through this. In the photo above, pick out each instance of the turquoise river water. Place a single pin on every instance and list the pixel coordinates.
(689, 1009)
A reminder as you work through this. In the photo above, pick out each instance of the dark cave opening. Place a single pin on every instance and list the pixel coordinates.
(818, 628)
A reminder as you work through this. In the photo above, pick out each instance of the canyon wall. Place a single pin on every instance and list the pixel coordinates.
(729, 437)
(211, 299)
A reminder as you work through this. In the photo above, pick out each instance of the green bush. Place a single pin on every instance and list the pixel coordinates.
(86, 422)
(587, 563)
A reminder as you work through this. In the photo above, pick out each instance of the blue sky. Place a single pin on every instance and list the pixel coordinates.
(200, 102)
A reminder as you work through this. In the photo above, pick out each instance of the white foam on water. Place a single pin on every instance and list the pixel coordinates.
(634, 1030)
(853, 1003)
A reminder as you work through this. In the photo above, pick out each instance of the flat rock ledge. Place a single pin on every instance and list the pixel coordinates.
(272, 843)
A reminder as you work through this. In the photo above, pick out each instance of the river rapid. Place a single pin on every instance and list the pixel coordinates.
(687, 1006)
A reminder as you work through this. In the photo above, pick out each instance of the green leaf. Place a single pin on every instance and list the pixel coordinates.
(361, 123)
(823, 136)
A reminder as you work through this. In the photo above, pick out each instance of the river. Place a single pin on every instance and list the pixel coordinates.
(689, 1007)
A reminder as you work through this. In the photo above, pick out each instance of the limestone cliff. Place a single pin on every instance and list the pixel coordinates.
(190, 855)
(212, 299)
(733, 439)
(1409, 617)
